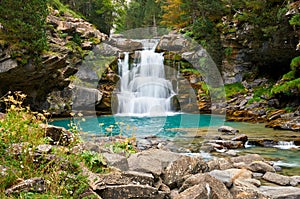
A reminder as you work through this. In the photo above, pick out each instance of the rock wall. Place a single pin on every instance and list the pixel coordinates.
(69, 39)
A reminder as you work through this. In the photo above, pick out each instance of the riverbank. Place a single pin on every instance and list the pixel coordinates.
(149, 169)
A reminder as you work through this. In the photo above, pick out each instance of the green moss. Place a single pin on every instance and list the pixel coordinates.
(232, 89)
(191, 71)
(289, 76)
(287, 87)
(295, 64)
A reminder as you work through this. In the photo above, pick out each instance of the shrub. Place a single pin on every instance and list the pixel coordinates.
(20, 136)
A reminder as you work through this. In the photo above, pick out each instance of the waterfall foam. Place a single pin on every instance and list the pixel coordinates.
(143, 87)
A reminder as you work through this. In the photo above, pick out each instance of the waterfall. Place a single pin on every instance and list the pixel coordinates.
(286, 145)
(143, 87)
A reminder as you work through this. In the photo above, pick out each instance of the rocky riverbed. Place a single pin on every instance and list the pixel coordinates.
(157, 171)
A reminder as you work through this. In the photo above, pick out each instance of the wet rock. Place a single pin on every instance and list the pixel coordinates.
(203, 186)
(151, 161)
(31, 185)
(276, 178)
(261, 167)
(281, 192)
(243, 138)
(116, 160)
(292, 124)
(276, 115)
(228, 130)
(228, 143)
(232, 153)
(186, 165)
(247, 159)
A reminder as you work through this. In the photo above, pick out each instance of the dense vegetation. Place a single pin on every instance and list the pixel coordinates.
(26, 152)
(24, 24)
(208, 22)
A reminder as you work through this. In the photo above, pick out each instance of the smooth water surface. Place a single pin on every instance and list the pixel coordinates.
(142, 126)
(186, 126)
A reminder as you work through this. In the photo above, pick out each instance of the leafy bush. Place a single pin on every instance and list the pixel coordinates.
(94, 161)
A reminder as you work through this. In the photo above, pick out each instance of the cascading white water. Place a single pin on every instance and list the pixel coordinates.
(144, 89)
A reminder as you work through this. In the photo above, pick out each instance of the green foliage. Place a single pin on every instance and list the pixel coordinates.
(228, 51)
(57, 5)
(260, 91)
(141, 13)
(126, 146)
(94, 161)
(232, 89)
(190, 71)
(295, 20)
(102, 13)
(289, 76)
(20, 135)
(295, 64)
(24, 24)
(290, 82)
(287, 88)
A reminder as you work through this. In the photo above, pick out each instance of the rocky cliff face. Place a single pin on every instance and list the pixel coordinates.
(69, 38)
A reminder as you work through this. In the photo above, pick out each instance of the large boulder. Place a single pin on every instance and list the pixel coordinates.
(152, 161)
(57, 135)
(130, 191)
(277, 178)
(228, 129)
(176, 171)
(203, 186)
(261, 167)
(281, 192)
